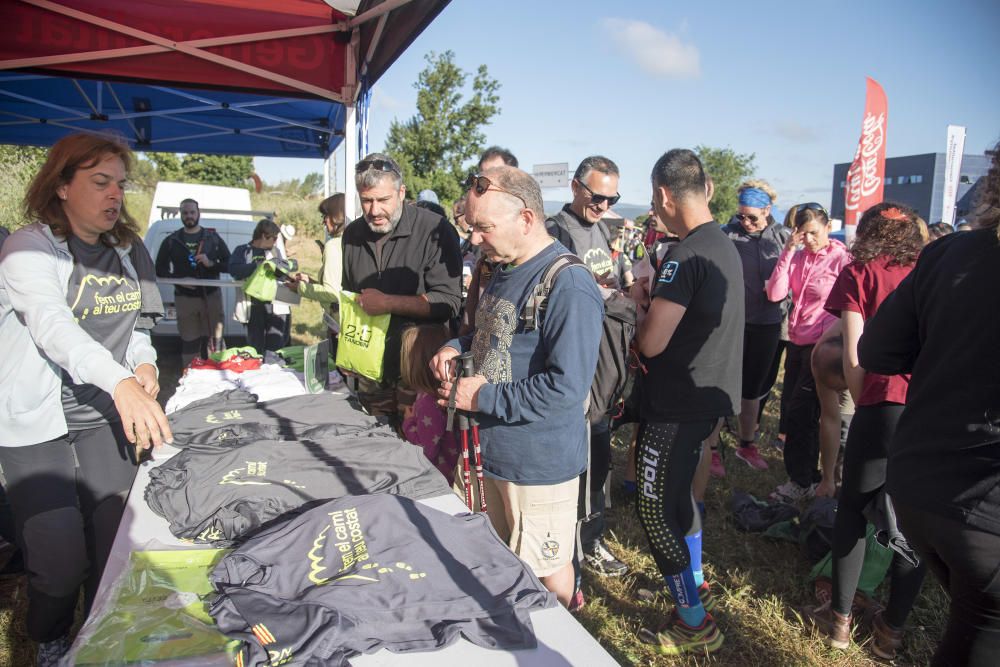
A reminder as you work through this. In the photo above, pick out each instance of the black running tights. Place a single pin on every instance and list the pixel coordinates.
(67, 496)
(864, 476)
(665, 460)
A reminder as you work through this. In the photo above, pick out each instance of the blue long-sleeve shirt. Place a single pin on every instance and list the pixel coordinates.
(532, 422)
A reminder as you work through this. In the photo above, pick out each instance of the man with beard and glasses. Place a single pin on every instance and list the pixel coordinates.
(194, 251)
(401, 260)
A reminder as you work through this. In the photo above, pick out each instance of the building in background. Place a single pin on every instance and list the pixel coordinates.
(918, 181)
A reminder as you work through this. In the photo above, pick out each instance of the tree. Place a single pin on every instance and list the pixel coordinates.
(231, 170)
(168, 166)
(728, 169)
(19, 164)
(433, 146)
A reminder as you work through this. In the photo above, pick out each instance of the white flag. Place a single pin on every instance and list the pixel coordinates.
(952, 171)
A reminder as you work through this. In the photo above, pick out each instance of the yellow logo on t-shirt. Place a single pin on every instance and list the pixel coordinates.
(123, 298)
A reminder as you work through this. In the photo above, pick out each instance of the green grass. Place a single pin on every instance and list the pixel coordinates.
(759, 582)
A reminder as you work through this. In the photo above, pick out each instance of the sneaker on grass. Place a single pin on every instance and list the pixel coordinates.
(708, 600)
(791, 493)
(603, 562)
(676, 637)
(751, 456)
(717, 469)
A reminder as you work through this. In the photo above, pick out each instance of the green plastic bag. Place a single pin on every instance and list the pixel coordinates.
(361, 343)
(160, 612)
(873, 571)
(262, 283)
(229, 352)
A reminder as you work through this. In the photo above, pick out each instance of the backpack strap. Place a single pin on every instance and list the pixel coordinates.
(540, 293)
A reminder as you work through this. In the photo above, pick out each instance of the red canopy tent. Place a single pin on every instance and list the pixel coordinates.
(257, 77)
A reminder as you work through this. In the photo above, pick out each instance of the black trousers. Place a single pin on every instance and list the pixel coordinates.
(801, 452)
(666, 458)
(67, 496)
(760, 350)
(966, 560)
(265, 330)
(592, 529)
(864, 476)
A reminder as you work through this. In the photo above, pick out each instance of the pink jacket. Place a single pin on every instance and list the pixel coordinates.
(810, 277)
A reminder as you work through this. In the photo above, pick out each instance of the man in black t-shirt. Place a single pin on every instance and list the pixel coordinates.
(692, 346)
(194, 251)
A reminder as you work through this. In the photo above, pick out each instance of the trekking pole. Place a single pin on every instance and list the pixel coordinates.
(463, 426)
(467, 370)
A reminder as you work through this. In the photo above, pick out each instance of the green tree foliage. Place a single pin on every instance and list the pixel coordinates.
(728, 169)
(19, 164)
(168, 166)
(308, 186)
(228, 170)
(433, 146)
(144, 174)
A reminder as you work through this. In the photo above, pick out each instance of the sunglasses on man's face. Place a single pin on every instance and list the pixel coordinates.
(597, 199)
(481, 184)
(377, 165)
(752, 219)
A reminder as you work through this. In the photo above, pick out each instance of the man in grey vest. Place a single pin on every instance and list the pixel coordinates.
(579, 227)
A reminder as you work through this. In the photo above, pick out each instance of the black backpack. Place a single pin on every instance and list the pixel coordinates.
(612, 372)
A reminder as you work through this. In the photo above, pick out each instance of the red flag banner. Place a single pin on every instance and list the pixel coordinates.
(865, 178)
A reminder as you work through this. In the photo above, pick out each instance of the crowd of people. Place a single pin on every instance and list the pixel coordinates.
(889, 336)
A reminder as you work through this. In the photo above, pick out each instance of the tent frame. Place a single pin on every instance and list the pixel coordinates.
(348, 95)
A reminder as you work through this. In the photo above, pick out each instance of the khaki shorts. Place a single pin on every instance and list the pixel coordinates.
(199, 317)
(538, 523)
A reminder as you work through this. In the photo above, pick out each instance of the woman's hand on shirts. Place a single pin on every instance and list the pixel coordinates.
(143, 420)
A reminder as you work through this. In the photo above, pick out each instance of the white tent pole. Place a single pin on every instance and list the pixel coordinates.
(350, 159)
(326, 177)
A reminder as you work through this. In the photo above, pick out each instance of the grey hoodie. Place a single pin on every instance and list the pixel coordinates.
(40, 336)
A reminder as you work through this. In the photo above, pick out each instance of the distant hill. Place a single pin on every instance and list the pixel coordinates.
(621, 208)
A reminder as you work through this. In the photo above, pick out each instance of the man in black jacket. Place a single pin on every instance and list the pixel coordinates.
(401, 260)
(194, 251)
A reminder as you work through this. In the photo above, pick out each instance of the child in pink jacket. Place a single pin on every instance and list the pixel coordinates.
(809, 274)
(424, 423)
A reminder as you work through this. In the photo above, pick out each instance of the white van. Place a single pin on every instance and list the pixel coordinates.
(227, 211)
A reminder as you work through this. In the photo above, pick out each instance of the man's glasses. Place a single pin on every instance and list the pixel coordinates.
(378, 165)
(597, 199)
(481, 184)
(752, 219)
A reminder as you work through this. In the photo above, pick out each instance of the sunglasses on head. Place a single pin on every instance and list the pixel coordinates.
(812, 206)
(481, 184)
(376, 164)
(597, 199)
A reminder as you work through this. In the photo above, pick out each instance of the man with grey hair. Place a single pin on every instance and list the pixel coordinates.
(400, 260)
(530, 385)
(579, 227)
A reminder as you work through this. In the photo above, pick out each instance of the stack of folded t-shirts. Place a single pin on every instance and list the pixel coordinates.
(359, 574)
(235, 417)
(245, 462)
(272, 381)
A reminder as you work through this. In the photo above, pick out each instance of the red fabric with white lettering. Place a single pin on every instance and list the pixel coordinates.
(866, 177)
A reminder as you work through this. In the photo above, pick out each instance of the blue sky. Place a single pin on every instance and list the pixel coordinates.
(783, 80)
